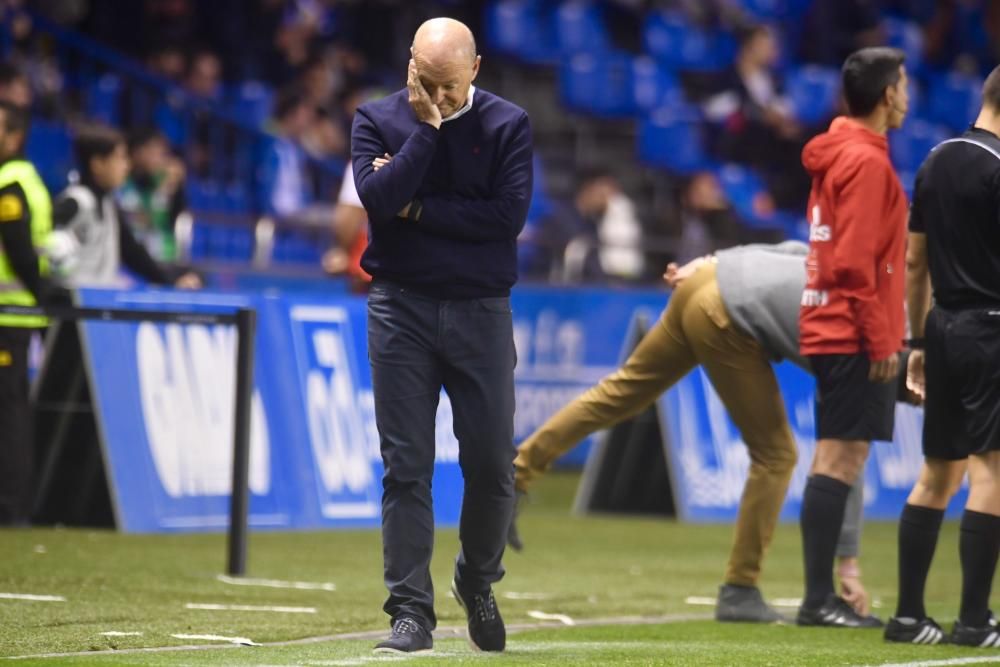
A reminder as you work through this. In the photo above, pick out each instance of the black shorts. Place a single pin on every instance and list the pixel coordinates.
(962, 367)
(848, 405)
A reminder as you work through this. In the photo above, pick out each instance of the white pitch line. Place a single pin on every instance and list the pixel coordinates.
(543, 616)
(511, 595)
(699, 600)
(440, 632)
(787, 602)
(243, 641)
(33, 598)
(943, 663)
(250, 607)
(117, 633)
(277, 583)
(375, 659)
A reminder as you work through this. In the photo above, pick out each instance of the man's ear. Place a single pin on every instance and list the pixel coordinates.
(475, 67)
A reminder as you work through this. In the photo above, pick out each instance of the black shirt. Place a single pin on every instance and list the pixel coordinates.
(956, 202)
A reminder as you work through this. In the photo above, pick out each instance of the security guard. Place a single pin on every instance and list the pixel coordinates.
(954, 254)
(25, 224)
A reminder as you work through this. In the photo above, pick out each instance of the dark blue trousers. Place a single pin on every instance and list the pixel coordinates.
(417, 345)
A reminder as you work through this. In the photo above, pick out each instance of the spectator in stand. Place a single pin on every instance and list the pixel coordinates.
(203, 78)
(284, 176)
(153, 196)
(566, 245)
(204, 74)
(14, 86)
(95, 242)
(168, 61)
(618, 229)
(326, 137)
(708, 221)
(754, 121)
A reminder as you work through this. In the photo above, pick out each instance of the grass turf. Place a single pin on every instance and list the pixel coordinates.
(590, 567)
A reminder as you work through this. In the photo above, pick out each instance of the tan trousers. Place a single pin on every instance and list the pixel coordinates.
(694, 330)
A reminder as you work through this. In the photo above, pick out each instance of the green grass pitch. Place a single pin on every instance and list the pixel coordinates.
(583, 568)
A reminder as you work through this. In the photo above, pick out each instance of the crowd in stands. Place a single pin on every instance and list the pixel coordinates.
(242, 109)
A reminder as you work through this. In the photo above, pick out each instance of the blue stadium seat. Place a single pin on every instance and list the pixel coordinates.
(205, 195)
(103, 96)
(766, 10)
(742, 186)
(522, 28)
(172, 121)
(580, 27)
(251, 102)
(50, 149)
(653, 85)
(218, 241)
(813, 92)
(671, 38)
(239, 247)
(597, 84)
(908, 178)
(670, 137)
(910, 145)
(236, 199)
(907, 37)
(794, 224)
(199, 241)
(954, 100)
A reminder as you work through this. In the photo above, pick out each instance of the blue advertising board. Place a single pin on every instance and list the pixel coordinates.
(163, 395)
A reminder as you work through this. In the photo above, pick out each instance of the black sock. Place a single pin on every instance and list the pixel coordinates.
(821, 518)
(978, 546)
(918, 536)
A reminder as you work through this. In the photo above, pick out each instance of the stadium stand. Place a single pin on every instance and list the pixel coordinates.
(615, 84)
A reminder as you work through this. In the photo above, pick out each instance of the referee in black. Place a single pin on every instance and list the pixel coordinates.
(954, 257)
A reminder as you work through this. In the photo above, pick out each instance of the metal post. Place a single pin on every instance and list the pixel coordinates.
(246, 325)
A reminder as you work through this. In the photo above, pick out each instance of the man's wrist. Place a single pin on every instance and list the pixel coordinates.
(848, 568)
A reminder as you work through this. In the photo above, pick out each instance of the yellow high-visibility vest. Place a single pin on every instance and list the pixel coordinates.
(12, 291)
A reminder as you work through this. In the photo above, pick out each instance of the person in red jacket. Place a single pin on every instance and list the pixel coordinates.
(851, 322)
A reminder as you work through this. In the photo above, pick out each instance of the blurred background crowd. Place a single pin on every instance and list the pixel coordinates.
(664, 129)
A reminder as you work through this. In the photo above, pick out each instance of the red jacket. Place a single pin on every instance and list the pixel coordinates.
(855, 271)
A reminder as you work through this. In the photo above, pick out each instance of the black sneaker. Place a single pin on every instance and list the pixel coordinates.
(744, 604)
(987, 636)
(407, 636)
(838, 613)
(513, 536)
(913, 631)
(486, 628)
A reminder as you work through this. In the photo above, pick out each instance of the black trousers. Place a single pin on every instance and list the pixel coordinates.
(16, 446)
(417, 345)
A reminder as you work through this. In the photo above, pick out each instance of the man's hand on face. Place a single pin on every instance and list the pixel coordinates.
(420, 101)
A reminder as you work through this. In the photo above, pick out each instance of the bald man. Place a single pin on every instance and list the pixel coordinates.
(444, 171)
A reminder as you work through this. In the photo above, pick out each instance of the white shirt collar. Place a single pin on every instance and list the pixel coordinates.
(465, 108)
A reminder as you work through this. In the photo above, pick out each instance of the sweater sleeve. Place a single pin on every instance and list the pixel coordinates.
(387, 191)
(859, 234)
(499, 217)
(136, 258)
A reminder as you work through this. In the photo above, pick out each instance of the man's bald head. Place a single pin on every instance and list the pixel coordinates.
(444, 53)
(442, 40)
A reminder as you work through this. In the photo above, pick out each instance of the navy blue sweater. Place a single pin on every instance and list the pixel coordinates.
(473, 177)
